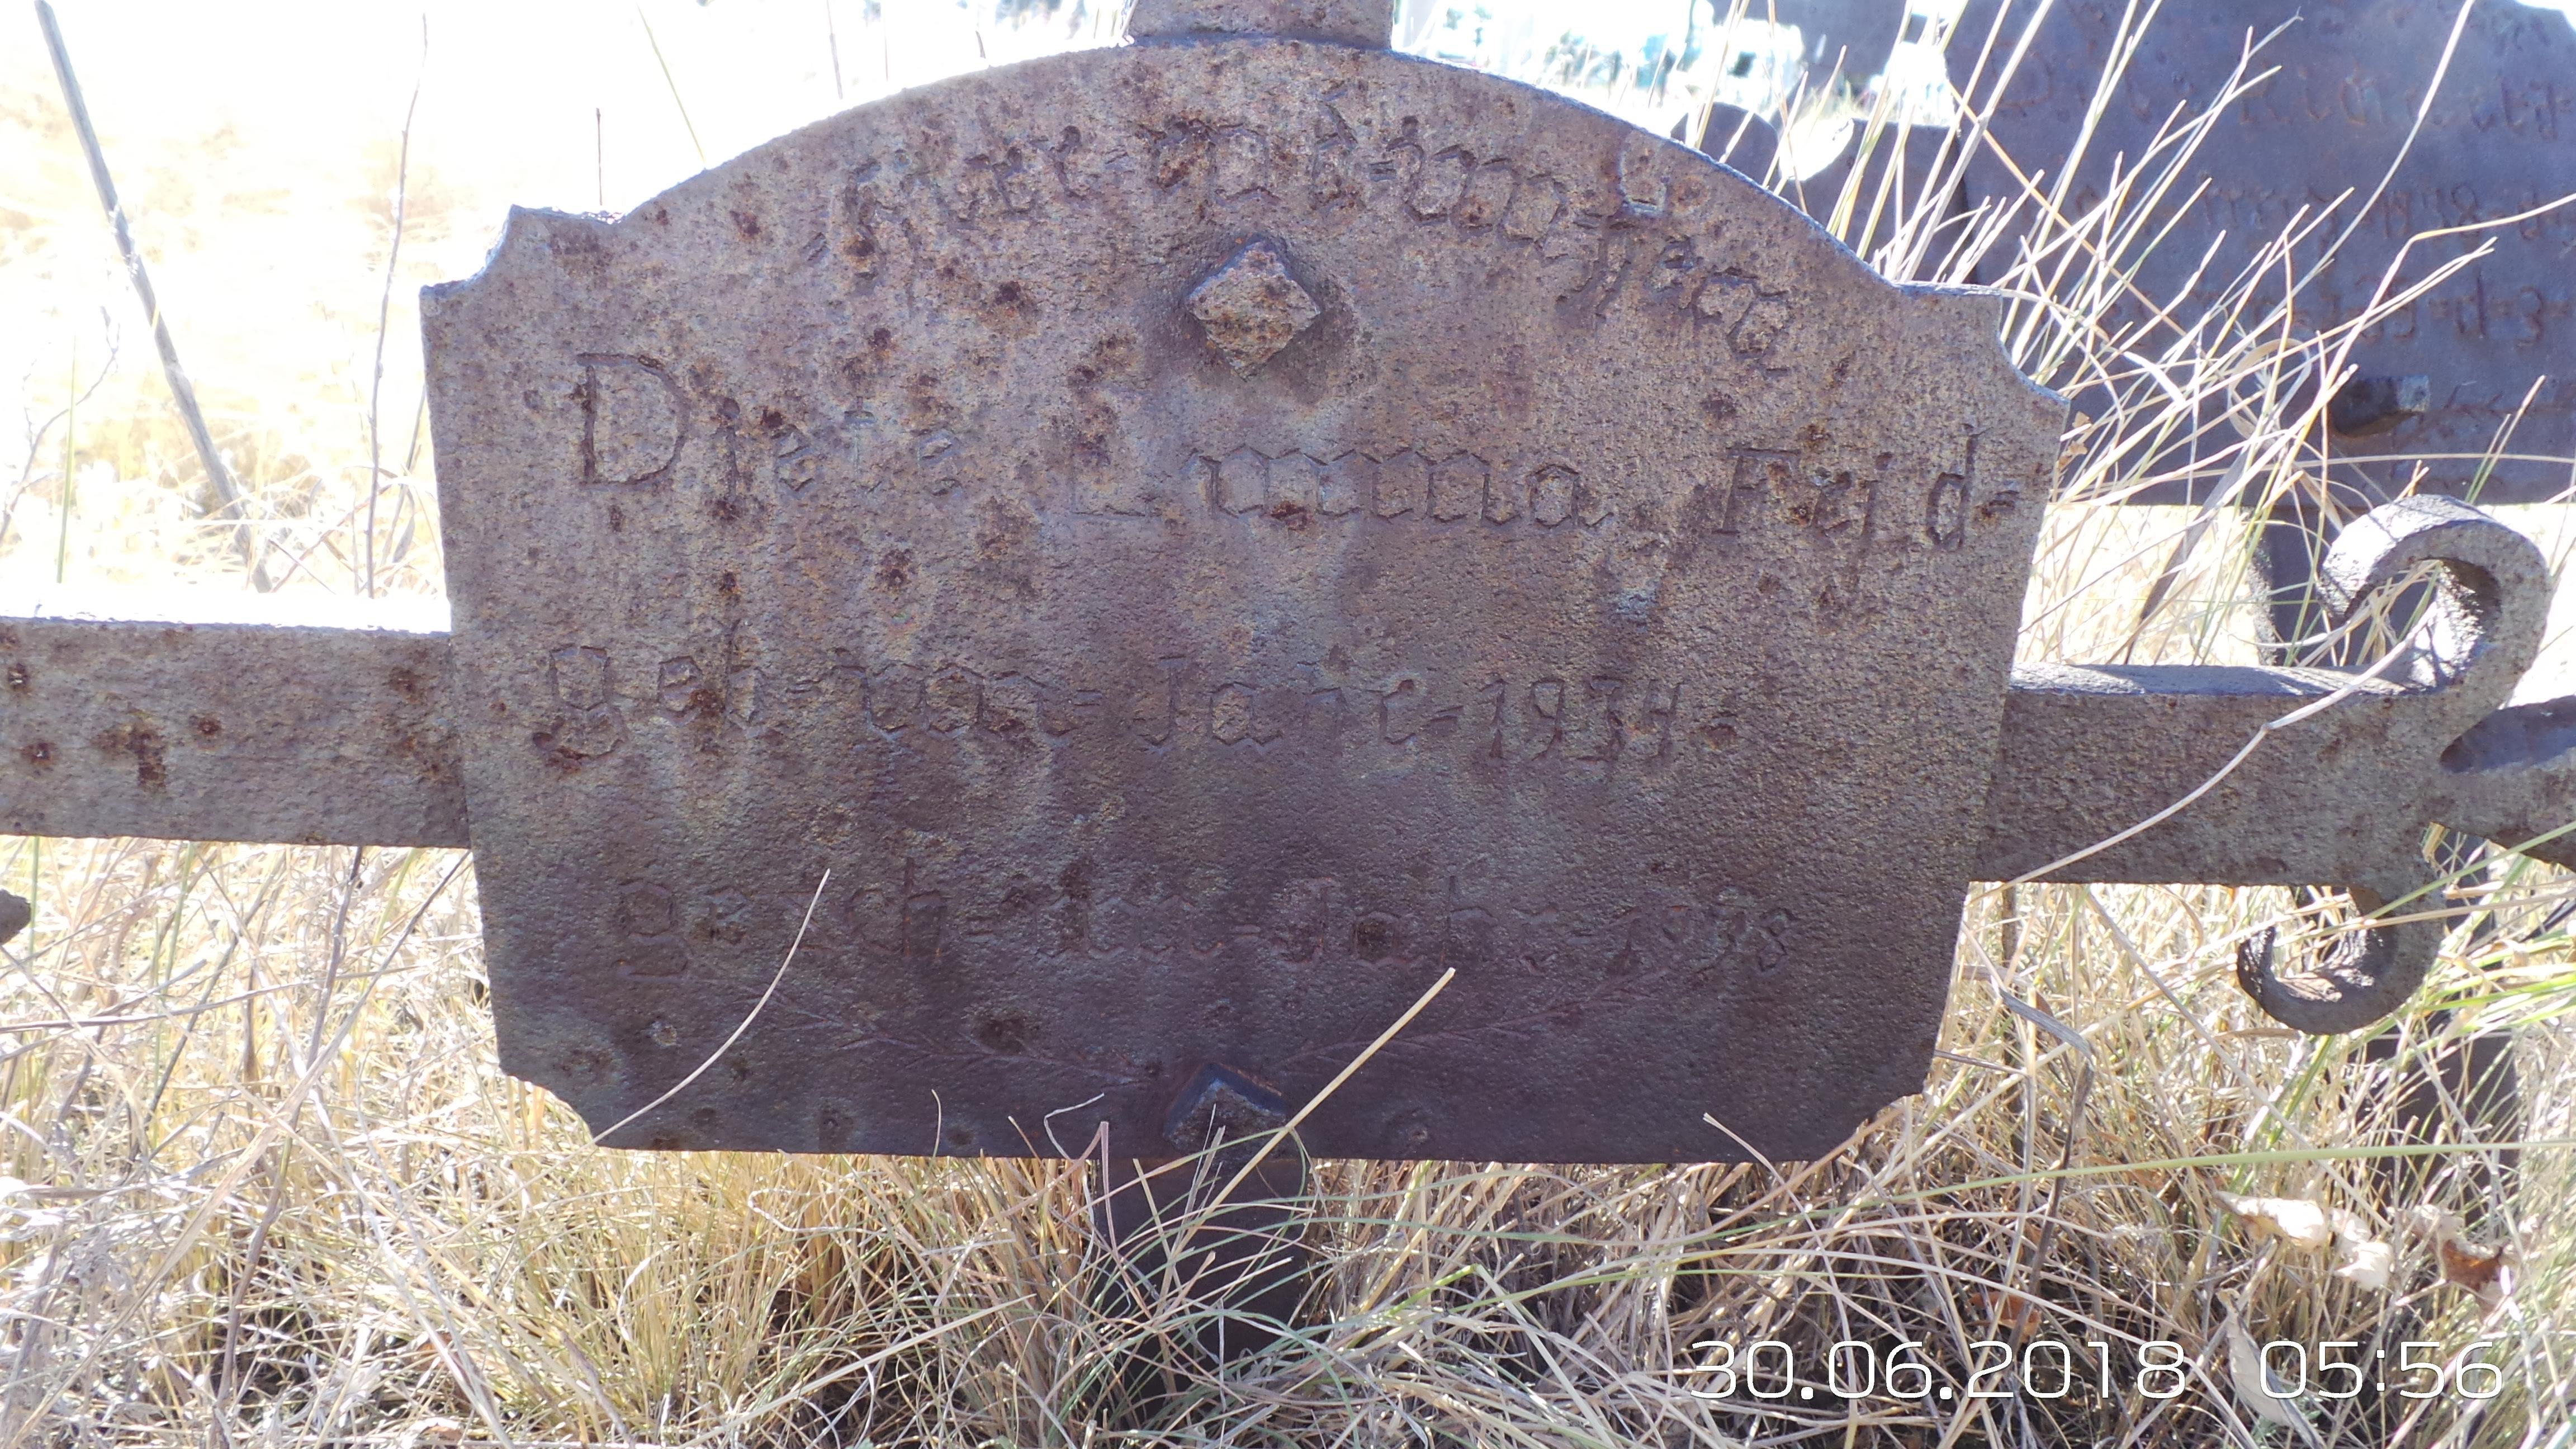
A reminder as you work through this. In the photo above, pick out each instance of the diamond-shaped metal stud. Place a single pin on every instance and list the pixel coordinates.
(1251, 307)
(1221, 1105)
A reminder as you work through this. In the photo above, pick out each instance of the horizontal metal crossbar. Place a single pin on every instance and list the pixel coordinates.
(341, 737)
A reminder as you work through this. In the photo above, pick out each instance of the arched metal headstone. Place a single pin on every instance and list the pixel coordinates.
(1198, 540)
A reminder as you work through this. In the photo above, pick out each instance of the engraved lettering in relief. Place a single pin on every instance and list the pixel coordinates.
(1155, 710)
(1101, 490)
(655, 927)
(1458, 486)
(1004, 181)
(888, 201)
(726, 919)
(1231, 717)
(1552, 495)
(589, 723)
(1293, 488)
(648, 932)
(633, 419)
(951, 700)
(924, 926)
(1945, 512)
(1169, 913)
(645, 909)
(1952, 504)
(1488, 195)
(1345, 485)
(1242, 163)
(891, 697)
(1596, 241)
(1600, 722)
(1024, 707)
(1403, 485)
(1840, 505)
(1831, 503)
(1757, 472)
(1538, 203)
(683, 689)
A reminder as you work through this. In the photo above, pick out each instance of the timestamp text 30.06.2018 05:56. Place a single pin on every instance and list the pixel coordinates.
(2048, 1368)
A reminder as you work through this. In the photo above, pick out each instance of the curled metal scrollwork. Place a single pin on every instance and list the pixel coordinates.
(2355, 768)
(2480, 630)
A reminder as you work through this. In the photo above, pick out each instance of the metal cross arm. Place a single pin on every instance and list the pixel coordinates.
(321, 736)
(1189, 545)
(303, 736)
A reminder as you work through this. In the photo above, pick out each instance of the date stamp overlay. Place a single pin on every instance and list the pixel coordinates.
(2293, 1373)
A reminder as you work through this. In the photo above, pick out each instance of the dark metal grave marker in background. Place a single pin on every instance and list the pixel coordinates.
(1200, 539)
(2436, 382)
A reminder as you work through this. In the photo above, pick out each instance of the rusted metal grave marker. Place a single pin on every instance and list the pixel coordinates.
(1198, 540)
(2434, 383)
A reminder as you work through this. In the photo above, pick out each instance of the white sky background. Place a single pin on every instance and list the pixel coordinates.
(509, 87)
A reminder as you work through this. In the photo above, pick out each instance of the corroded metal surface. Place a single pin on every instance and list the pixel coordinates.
(2341, 798)
(227, 732)
(1198, 541)
(2516, 775)
(1853, 37)
(2440, 378)
(1607, 590)
(1344, 22)
(2086, 752)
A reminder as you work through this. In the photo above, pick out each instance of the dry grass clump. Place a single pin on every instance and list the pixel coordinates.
(261, 1182)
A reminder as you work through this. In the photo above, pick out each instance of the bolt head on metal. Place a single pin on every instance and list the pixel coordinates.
(1251, 307)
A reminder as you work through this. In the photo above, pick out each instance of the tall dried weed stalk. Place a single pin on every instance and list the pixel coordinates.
(261, 1183)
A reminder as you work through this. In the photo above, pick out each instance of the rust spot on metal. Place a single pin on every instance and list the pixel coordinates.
(1008, 1031)
(41, 752)
(140, 740)
(894, 568)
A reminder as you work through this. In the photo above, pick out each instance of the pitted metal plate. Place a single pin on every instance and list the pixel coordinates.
(2498, 139)
(1851, 37)
(1197, 540)
(1128, 763)
(227, 732)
